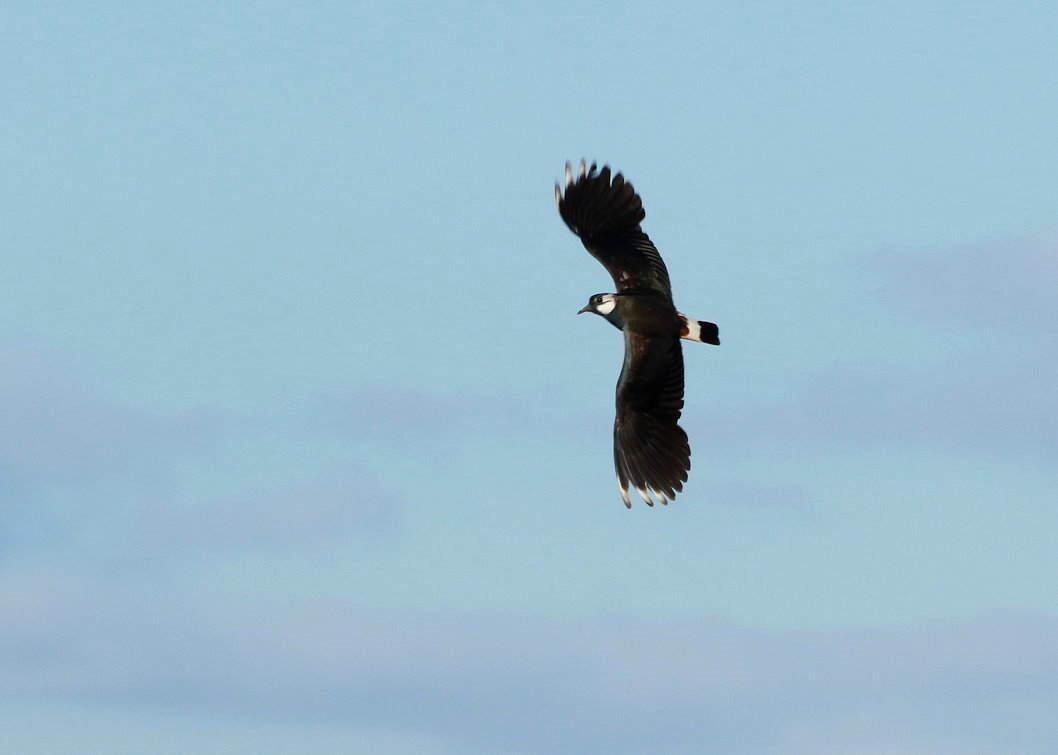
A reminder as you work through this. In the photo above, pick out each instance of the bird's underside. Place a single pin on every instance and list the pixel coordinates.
(651, 452)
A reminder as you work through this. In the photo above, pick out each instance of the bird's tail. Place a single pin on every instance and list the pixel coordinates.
(699, 330)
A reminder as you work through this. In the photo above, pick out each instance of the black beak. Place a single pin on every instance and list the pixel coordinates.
(585, 309)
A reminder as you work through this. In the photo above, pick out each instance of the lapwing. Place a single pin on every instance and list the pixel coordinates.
(650, 449)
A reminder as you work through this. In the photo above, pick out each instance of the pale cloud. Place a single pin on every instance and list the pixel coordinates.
(965, 405)
(339, 504)
(407, 417)
(1003, 288)
(977, 383)
(58, 430)
(82, 473)
(980, 380)
(482, 682)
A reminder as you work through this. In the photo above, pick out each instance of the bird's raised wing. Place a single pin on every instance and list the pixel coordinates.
(650, 450)
(606, 215)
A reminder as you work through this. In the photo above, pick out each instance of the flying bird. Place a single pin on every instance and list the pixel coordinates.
(650, 449)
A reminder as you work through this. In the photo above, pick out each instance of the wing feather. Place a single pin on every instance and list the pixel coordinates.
(651, 453)
(606, 214)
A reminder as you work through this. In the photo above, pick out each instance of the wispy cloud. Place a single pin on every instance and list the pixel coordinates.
(1004, 287)
(483, 681)
(987, 389)
(415, 418)
(82, 472)
(968, 405)
(56, 428)
(344, 502)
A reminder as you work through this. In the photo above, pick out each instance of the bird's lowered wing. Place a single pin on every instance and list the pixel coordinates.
(651, 452)
(606, 214)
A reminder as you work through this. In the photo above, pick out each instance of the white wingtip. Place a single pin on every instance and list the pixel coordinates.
(582, 171)
(569, 173)
(558, 196)
(644, 493)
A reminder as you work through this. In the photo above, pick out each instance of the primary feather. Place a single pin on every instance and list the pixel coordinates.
(606, 215)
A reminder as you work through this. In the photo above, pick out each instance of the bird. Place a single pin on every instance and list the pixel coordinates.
(651, 451)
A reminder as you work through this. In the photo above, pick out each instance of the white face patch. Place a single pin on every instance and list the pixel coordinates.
(609, 301)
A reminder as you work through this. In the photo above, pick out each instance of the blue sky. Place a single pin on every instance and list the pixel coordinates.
(303, 448)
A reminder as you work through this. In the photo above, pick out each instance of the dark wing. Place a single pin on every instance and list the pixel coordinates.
(650, 450)
(605, 215)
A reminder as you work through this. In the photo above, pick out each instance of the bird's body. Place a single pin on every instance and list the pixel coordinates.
(651, 452)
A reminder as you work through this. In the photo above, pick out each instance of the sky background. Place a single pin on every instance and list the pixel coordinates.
(304, 449)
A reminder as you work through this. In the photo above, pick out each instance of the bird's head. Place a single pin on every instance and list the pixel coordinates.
(600, 304)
